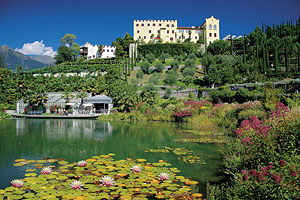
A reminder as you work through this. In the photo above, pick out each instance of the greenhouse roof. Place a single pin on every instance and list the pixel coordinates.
(98, 99)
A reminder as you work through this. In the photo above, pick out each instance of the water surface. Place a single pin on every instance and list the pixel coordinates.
(76, 140)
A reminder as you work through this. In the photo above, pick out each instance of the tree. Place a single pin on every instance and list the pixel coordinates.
(122, 45)
(69, 41)
(1, 62)
(139, 74)
(150, 57)
(188, 72)
(100, 49)
(174, 64)
(218, 47)
(145, 67)
(154, 79)
(64, 54)
(163, 57)
(159, 67)
(171, 77)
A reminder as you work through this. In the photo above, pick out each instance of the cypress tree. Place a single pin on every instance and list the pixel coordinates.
(267, 57)
(128, 65)
(264, 59)
(298, 57)
(231, 45)
(287, 67)
(244, 50)
(257, 55)
(276, 56)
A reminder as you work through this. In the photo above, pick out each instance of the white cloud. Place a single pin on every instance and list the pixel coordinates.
(36, 48)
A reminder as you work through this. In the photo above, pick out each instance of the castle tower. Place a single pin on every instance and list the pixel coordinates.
(211, 30)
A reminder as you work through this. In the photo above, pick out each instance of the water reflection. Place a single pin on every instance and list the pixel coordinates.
(57, 129)
(76, 140)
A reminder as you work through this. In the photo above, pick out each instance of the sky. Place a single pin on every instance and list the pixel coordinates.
(35, 27)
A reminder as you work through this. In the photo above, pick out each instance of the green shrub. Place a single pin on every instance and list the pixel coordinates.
(246, 114)
(174, 64)
(159, 67)
(150, 58)
(145, 67)
(188, 72)
(140, 74)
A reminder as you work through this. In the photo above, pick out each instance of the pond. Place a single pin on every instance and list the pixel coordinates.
(77, 140)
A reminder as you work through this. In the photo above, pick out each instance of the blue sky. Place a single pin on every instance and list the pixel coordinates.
(102, 21)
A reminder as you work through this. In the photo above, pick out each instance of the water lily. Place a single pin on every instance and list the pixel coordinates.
(17, 183)
(82, 163)
(163, 176)
(46, 170)
(135, 168)
(76, 185)
(107, 181)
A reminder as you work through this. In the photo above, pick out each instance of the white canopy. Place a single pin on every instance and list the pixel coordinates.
(87, 104)
(70, 104)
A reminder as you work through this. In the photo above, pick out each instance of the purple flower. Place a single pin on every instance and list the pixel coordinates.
(293, 173)
(282, 163)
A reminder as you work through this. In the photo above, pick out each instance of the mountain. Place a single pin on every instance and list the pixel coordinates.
(13, 59)
(48, 60)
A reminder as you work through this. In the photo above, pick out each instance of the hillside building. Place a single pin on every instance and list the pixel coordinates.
(169, 31)
(90, 51)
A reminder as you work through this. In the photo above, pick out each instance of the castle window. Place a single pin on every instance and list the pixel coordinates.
(137, 24)
(138, 31)
(210, 27)
(148, 24)
(149, 31)
(168, 25)
(215, 27)
(215, 35)
(111, 50)
(168, 31)
(144, 37)
(171, 39)
(196, 38)
(142, 24)
(157, 31)
(179, 37)
(139, 37)
(172, 31)
(159, 24)
(183, 37)
(209, 34)
(153, 24)
(172, 25)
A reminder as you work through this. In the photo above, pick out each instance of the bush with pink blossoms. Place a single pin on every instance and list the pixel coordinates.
(263, 162)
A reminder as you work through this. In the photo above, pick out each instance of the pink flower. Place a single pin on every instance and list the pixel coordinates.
(46, 170)
(276, 178)
(282, 163)
(107, 181)
(17, 183)
(163, 176)
(82, 163)
(293, 173)
(76, 185)
(135, 168)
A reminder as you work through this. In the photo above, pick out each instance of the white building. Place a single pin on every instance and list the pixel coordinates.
(90, 51)
(108, 52)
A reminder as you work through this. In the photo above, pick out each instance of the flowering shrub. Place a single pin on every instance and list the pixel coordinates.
(263, 161)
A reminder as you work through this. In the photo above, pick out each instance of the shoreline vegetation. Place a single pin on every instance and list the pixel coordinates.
(261, 155)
